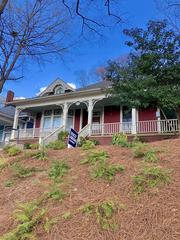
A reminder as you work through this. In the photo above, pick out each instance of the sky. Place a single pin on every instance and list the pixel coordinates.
(85, 55)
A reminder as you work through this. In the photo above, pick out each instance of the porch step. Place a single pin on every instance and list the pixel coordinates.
(107, 140)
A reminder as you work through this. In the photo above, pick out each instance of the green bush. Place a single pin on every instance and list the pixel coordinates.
(56, 145)
(7, 147)
(93, 157)
(88, 145)
(41, 155)
(8, 183)
(27, 216)
(120, 139)
(34, 146)
(106, 171)
(104, 213)
(27, 146)
(150, 177)
(139, 149)
(150, 156)
(13, 151)
(56, 193)
(63, 135)
(81, 141)
(22, 172)
(58, 170)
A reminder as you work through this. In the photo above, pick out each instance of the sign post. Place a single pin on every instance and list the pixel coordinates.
(72, 139)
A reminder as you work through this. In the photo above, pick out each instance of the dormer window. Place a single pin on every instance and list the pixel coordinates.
(58, 90)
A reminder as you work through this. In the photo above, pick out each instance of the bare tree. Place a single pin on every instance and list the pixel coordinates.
(37, 28)
(32, 29)
(171, 11)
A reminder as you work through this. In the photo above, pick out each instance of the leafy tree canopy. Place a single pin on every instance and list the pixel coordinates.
(151, 76)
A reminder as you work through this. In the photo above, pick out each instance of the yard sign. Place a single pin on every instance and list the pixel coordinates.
(72, 140)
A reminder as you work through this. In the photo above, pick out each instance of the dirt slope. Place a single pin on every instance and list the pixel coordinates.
(153, 215)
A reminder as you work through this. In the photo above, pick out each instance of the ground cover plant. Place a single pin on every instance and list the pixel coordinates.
(12, 150)
(150, 177)
(57, 145)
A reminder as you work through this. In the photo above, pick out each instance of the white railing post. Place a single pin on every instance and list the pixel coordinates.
(65, 113)
(90, 112)
(158, 114)
(133, 130)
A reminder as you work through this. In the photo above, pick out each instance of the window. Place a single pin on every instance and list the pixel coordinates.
(58, 90)
(57, 121)
(47, 122)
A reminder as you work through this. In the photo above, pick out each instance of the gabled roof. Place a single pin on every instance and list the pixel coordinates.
(58, 82)
(103, 85)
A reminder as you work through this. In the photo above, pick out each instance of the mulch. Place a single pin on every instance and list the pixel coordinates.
(153, 215)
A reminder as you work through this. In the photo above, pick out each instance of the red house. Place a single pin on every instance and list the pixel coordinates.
(88, 110)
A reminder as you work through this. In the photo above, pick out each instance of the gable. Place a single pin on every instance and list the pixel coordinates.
(57, 87)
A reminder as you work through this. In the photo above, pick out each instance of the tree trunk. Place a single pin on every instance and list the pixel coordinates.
(3, 4)
(178, 117)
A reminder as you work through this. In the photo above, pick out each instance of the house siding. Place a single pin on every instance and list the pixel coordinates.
(38, 120)
(147, 114)
(77, 120)
(111, 114)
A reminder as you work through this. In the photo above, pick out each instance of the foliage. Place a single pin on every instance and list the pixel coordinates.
(150, 156)
(104, 212)
(22, 172)
(3, 162)
(63, 135)
(81, 141)
(49, 223)
(93, 157)
(106, 171)
(120, 139)
(139, 149)
(34, 146)
(27, 216)
(151, 76)
(67, 215)
(27, 146)
(41, 155)
(150, 177)
(56, 145)
(56, 193)
(8, 183)
(88, 145)
(12, 150)
(58, 170)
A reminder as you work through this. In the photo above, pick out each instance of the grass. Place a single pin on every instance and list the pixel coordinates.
(8, 183)
(150, 156)
(87, 145)
(56, 193)
(57, 145)
(150, 177)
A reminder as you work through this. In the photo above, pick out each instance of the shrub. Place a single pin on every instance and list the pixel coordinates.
(3, 162)
(41, 155)
(7, 147)
(88, 145)
(81, 141)
(58, 170)
(34, 146)
(106, 171)
(150, 156)
(150, 177)
(56, 145)
(56, 193)
(27, 146)
(8, 183)
(139, 149)
(63, 135)
(104, 213)
(27, 216)
(22, 172)
(13, 151)
(93, 157)
(120, 139)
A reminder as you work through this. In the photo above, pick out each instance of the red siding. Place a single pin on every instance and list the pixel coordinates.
(77, 120)
(147, 114)
(111, 114)
(38, 120)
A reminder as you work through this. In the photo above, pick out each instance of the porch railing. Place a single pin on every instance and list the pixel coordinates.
(141, 127)
(33, 133)
(51, 137)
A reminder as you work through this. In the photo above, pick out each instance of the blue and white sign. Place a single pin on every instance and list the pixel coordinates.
(73, 137)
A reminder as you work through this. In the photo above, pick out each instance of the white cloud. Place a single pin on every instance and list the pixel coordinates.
(72, 85)
(41, 90)
(19, 98)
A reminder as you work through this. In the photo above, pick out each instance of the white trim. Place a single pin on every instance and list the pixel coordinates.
(81, 119)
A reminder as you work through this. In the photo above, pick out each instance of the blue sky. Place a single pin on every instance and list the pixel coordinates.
(85, 55)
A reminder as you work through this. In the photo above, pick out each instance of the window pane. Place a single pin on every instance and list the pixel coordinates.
(57, 122)
(57, 111)
(47, 122)
(47, 112)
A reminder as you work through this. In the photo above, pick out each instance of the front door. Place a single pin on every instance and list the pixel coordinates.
(126, 119)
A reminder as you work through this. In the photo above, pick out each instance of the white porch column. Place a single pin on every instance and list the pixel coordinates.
(158, 115)
(90, 114)
(65, 113)
(15, 123)
(134, 117)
